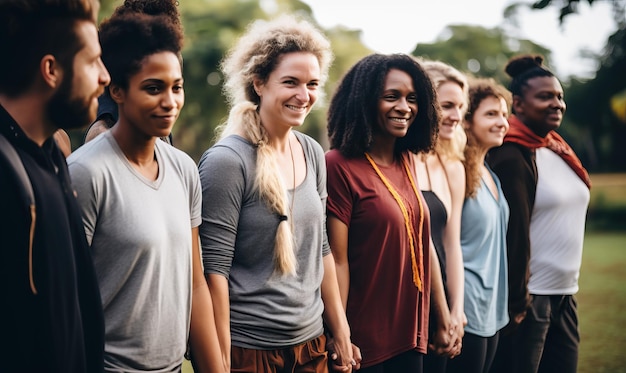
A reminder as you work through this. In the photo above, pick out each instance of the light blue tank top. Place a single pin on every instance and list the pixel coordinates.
(483, 242)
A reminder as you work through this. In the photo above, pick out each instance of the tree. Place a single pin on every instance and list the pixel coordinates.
(477, 50)
(592, 123)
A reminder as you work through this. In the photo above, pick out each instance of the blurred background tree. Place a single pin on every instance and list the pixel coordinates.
(595, 120)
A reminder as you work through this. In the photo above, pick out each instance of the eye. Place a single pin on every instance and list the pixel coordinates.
(177, 88)
(412, 98)
(289, 82)
(313, 85)
(152, 89)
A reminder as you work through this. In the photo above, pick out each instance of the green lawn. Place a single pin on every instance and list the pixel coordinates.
(602, 303)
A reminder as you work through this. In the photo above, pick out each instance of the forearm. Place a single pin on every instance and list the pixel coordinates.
(455, 281)
(218, 285)
(439, 305)
(334, 313)
(203, 337)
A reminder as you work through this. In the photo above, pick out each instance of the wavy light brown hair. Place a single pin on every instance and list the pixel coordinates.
(254, 57)
(479, 90)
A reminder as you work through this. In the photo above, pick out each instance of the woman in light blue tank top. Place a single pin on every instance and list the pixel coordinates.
(483, 229)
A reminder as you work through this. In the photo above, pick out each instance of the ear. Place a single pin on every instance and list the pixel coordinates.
(117, 93)
(516, 105)
(258, 86)
(51, 72)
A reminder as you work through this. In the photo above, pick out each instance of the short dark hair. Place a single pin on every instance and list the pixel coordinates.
(128, 37)
(31, 29)
(353, 111)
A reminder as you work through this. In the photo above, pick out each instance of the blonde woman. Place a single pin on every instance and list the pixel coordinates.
(265, 249)
(442, 182)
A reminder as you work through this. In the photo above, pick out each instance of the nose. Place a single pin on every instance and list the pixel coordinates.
(168, 99)
(302, 94)
(503, 122)
(558, 103)
(104, 77)
(455, 114)
(403, 106)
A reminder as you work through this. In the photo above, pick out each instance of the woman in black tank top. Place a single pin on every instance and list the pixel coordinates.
(442, 181)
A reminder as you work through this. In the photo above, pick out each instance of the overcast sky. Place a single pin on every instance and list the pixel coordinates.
(398, 25)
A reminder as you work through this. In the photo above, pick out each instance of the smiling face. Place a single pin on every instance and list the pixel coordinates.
(541, 108)
(290, 90)
(397, 106)
(453, 104)
(154, 97)
(489, 122)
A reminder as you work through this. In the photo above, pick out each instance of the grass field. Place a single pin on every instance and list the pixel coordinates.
(602, 303)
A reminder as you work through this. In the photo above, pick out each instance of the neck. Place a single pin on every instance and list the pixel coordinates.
(481, 154)
(382, 151)
(29, 113)
(137, 149)
(278, 138)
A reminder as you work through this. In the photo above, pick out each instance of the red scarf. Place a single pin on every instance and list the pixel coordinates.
(520, 134)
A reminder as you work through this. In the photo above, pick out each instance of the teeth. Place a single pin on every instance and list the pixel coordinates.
(399, 120)
(297, 108)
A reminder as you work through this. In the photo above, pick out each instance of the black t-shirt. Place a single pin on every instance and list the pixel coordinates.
(60, 328)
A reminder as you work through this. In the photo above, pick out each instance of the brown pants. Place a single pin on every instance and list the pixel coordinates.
(308, 357)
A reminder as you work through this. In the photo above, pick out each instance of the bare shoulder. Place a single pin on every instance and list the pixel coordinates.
(95, 129)
(63, 142)
(456, 174)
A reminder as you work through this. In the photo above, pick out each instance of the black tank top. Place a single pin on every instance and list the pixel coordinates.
(438, 220)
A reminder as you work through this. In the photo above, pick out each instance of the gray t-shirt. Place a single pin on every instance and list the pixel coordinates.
(140, 236)
(238, 231)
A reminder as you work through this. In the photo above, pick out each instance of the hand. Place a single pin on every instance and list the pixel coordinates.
(351, 360)
(442, 340)
(515, 319)
(458, 323)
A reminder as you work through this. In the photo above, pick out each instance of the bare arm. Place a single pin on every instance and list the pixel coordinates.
(442, 342)
(339, 280)
(218, 285)
(63, 142)
(338, 239)
(455, 272)
(203, 335)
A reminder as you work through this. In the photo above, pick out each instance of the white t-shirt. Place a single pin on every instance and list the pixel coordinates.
(557, 227)
(140, 236)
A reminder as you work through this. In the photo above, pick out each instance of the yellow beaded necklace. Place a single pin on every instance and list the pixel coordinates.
(417, 270)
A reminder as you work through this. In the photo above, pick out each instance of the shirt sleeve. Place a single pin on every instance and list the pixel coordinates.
(320, 170)
(222, 177)
(518, 184)
(340, 198)
(85, 184)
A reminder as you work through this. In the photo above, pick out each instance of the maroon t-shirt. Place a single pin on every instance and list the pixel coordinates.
(386, 312)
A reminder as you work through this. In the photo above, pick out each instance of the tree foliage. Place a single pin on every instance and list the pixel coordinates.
(477, 50)
(592, 122)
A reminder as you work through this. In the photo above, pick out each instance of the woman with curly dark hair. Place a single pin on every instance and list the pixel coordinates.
(384, 109)
(548, 193)
(141, 202)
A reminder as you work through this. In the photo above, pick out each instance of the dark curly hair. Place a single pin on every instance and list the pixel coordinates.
(352, 115)
(523, 68)
(137, 29)
(151, 7)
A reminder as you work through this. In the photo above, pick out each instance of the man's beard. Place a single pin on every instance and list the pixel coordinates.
(66, 112)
